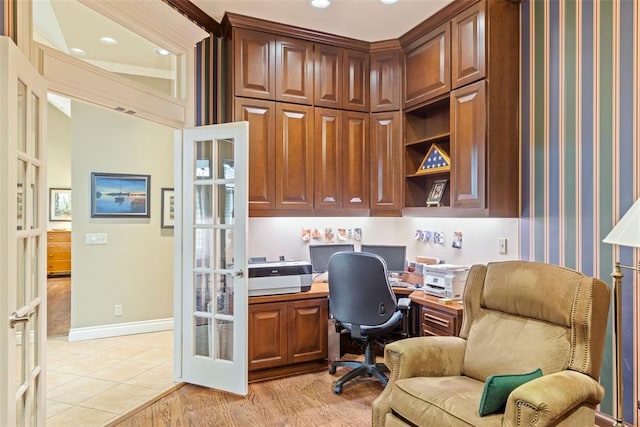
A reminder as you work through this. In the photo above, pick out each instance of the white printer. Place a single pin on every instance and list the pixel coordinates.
(279, 277)
(445, 280)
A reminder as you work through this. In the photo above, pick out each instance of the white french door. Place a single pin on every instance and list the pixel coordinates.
(211, 228)
(23, 103)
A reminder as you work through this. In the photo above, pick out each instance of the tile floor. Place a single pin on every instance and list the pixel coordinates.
(91, 382)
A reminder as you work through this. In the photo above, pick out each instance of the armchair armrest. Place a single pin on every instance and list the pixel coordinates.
(417, 357)
(547, 399)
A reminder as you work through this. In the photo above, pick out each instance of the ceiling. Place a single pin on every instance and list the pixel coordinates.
(367, 20)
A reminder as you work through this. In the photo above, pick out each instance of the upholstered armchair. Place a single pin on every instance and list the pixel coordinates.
(518, 317)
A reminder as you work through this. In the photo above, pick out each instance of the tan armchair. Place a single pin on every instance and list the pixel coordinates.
(518, 316)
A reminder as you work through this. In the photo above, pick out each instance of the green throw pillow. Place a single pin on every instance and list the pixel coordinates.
(497, 389)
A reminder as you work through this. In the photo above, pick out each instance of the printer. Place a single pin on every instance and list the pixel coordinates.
(445, 280)
(279, 277)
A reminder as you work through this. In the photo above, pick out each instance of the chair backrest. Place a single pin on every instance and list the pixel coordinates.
(359, 289)
(521, 315)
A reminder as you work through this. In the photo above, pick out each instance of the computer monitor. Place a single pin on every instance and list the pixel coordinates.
(319, 255)
(395, 256)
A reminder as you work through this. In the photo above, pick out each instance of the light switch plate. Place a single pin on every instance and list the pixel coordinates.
(95, 238)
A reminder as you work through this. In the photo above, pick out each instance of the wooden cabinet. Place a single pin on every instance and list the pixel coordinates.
(261, 116)
(355, 77)
(434, 318)
(355, 143)
(294, 70)
(287, 336)
(294, 156)
(58, 252)
(328, 76)
(427, 67)
(468, 46)
(385, 81)
(254, 64)
(386, 155)
(328, 159)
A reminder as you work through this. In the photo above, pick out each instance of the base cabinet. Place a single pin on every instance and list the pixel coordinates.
(434, 318)
(287, 337)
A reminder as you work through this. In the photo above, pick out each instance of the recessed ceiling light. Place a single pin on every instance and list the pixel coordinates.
(108, 40)
(389, 1)
(321, 4)
(77, 51)
(163, 52)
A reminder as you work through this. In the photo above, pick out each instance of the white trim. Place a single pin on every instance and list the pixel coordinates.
(119, 329)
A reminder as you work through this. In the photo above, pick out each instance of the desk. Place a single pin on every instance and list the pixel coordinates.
(433, 318)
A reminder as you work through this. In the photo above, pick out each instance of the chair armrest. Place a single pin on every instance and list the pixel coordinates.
(547, 399)
(417, 357)
(404, 303)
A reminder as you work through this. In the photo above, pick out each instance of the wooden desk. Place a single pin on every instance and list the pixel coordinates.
(435, 318)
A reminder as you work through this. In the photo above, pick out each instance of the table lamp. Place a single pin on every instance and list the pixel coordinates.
(625, 233)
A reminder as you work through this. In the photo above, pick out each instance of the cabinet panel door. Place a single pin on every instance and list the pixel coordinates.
(262, 150)
(355, 160)
(328, 76)
(468, 146)
(294, 156)
(294, 70)
(355, 80)
(385, 81)
(427, 67)
(328, 158)
(386, 162)
(267, 335)
(307, 330)
(468, 46)
(254, 64)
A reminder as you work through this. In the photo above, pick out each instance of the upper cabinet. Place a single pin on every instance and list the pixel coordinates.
(294, 70)
(468, 46)
(385, 81)
(328, 76)
(355, 78)
(254, 64)
(427, 66)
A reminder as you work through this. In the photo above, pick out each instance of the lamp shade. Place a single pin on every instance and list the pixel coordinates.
(627, 230)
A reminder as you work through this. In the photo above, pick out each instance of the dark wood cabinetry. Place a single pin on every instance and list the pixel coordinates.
(294, 70)
(254, 64)
(287, 334)
(427, 66)
(434, 318)
(355, 143)
(355, 78)
(385, 81)
(328, 159)
(328, 76)
(468, 46)
(386, 155)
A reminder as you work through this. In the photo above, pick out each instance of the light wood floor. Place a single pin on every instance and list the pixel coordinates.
(303, 400)
(58, 306)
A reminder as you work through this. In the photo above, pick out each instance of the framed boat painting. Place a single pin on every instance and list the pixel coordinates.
(115, 195)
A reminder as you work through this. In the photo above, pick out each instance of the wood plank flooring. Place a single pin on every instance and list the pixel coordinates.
(58, 306)
(304, 400)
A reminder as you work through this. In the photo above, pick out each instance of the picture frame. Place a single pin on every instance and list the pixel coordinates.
(167, 202)
(59, 204)
(117, 195)
(435, 161)
(437, 192)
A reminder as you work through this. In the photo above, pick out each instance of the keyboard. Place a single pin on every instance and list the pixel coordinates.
(400, 284)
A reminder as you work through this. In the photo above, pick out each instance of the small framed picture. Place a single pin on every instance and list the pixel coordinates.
(167, 202)
(59, 204)
(437, 192)
(115, 195)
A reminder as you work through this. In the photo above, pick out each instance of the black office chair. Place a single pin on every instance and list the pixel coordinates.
(362, 302)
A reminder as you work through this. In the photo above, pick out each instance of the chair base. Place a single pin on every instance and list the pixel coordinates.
(367, 368)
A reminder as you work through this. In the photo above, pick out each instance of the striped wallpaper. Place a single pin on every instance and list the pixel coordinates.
(210, 91)
(580, 149)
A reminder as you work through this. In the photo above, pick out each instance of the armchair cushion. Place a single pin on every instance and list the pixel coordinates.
(497, 389)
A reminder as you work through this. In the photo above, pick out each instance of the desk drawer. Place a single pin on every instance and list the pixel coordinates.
(435, 322)
(59, 236)
(58, 267)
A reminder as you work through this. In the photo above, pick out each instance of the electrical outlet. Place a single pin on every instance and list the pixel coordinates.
(118, 309)
(502, 245)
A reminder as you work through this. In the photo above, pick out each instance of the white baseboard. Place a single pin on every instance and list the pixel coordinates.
(119, 329)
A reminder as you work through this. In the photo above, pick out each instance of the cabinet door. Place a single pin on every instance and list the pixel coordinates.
(468, 146)
(254, 64)
(355, 80)
(307, 330)
(267, 335)
(385, 81)
(262, 151)
(386, 164)
(294, 156)
(328, 158)
(427, 67)
(328, 76)
(468, 46)
(355, 157)
(294, 70)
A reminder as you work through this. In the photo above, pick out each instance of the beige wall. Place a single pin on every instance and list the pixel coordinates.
(58, 155)
(135, 267)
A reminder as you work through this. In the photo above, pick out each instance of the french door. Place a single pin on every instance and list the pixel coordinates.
(23, 102)
(211, 227)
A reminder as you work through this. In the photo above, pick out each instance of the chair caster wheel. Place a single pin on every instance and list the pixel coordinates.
(337, 389)
(332, 369)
